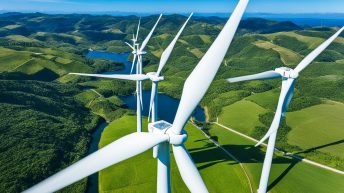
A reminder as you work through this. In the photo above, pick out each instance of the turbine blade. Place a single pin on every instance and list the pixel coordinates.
(113, 153)
(260, 76)
(138, 29)
(283, 101)
(140, 85)
(133, 64)
(310, 57)
(166, 54)
(201, 77)
(135, 77)
(144, 43)
(188, 170)
(130, 45)
(153, 93)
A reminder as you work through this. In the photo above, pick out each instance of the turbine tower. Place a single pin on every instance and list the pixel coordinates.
(138, 52)
(161, 132)
(288, 76)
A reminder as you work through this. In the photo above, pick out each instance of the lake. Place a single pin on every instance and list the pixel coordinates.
(116, 57)
(167, 106)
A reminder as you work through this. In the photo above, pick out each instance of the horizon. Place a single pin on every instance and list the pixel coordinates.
(176, 6)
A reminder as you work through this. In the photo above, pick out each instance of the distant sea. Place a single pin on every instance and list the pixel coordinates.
(307, 19)
(312, 21)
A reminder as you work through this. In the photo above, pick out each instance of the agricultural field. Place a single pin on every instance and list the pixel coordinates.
(287, 175)
(235, 116)
(322, 125)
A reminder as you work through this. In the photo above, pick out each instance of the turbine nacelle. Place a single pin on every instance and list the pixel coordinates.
(139, 52)
(286, 72)
(164, 128)
(154, 77)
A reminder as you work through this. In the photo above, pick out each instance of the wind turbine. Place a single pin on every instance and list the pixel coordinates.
(134, 46)
(161, 132)
(153, 76)
(137, 52)
(288, 76)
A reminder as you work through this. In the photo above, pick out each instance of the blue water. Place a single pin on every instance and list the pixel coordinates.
(313, 21)
(116, 57)
(167, 106)
(92, 186)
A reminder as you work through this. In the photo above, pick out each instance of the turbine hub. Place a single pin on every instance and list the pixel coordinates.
(163, 128)
(287, 72)
(141, 52)
(153, 77)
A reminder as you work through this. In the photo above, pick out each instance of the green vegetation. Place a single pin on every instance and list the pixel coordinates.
(287, 175)
(43, 130)
(323, 126)
(235, 116)
(132, 177)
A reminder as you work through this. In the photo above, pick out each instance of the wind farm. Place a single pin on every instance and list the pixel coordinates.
(164, 103)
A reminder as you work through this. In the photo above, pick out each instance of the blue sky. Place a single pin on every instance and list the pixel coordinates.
(173, 6)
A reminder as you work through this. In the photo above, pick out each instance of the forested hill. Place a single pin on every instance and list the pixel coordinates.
(43, 129)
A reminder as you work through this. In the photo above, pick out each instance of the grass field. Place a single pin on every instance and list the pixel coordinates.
(288, 57)
(242, 116)
(198, 53)
(11, 59)
(313, 42)
(322, 125)
(138, 174)
(268, 99)
(287, 175)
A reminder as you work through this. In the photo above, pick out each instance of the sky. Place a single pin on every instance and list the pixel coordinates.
(172, 6)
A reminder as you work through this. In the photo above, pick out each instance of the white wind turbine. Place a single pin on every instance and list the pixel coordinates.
(153, 76)
(288, 83)
(162, 132)
(134, 46)
(137, 52)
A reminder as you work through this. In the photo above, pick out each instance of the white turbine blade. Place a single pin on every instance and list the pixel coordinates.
(113, 153)
(135, 77)
(260, 76)
(287, 90)
(140, 85)
(188, 170)
(138, 29)
(130, 45)
(201, 77)
(144, 43)
(166, 54)
(309, 58)
(153, 92)
(133, 64)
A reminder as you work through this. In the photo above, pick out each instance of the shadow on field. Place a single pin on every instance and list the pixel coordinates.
(321, 146)
(211, 155)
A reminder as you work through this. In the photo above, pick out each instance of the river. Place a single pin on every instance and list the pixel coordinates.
(167, 107)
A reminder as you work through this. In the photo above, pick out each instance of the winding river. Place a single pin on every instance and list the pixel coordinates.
(167, 106)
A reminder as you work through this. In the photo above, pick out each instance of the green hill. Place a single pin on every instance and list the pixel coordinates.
(43, 129)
